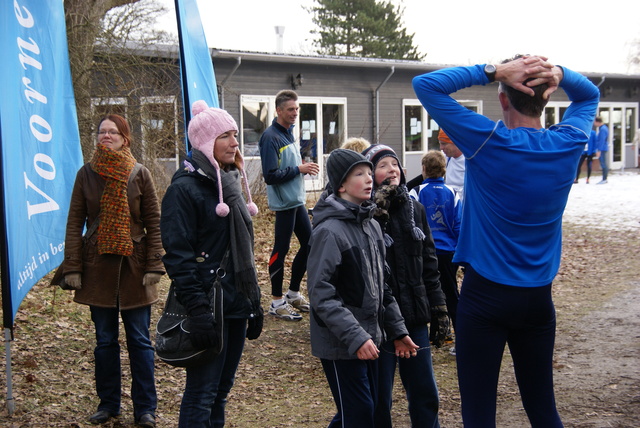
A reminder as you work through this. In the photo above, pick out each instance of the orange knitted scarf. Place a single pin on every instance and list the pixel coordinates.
(114, 230)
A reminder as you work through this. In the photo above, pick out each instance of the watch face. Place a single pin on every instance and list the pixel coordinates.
(489, 68)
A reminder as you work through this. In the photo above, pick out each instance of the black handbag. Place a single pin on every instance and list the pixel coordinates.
(173, 344)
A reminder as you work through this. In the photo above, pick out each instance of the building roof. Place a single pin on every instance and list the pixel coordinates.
(172, 51)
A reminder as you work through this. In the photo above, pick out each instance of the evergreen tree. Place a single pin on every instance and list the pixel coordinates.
(362, 28)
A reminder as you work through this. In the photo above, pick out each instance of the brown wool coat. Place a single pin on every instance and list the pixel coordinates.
(110, 280)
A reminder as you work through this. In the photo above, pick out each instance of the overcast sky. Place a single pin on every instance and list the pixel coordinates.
(572, 33)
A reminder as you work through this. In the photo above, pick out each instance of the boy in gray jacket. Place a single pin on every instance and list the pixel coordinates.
(352, 308)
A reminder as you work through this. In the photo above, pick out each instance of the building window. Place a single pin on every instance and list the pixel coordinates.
(321, 128)
(420, 132)
(413, 131)
(255, 119)
(553, 112)
(333, 126)
(103, 106)
(622, 120)
(160, 140)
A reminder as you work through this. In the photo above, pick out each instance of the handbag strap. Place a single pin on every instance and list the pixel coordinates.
(221, 272)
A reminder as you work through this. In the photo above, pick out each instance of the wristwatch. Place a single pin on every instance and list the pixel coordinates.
(490, 71)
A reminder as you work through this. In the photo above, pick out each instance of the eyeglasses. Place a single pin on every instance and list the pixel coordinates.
(112, 133)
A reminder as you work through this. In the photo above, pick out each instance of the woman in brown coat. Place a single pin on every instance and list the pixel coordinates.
(115, 267)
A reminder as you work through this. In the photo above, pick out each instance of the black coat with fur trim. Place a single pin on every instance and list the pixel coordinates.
(414, 279)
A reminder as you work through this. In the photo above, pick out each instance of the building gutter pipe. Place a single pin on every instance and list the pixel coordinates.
(231, 73)
(377, 95)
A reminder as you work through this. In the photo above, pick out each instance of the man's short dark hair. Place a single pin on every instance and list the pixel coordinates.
(526, 104)
(284, 96)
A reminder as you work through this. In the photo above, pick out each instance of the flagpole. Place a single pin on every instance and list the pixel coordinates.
(7, 310)
(186, 102)
(197, 76)
(11, 403)
(5, 283)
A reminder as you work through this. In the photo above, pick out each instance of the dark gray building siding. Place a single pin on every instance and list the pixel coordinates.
(356, 80)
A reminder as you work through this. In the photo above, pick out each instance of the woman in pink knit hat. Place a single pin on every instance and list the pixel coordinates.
(206, 219)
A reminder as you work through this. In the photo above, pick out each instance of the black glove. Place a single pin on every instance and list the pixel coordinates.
(201, 330)
(254, 327)
(439, 325)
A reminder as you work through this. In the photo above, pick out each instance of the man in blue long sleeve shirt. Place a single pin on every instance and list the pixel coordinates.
(518, 180)
(602, 146)
(283, 171)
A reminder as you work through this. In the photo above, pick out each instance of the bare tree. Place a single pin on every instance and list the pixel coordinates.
(634, 54)
(117, 52)
(114, 52)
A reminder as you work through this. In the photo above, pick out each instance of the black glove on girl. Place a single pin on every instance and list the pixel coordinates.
(201, 329)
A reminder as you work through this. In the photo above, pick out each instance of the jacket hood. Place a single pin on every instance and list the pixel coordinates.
(341, 209)
(191, 168)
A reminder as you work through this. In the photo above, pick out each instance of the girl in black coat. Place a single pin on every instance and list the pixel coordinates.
(415, 284)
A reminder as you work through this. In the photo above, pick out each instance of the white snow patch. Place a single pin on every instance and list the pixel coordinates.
(613, 206)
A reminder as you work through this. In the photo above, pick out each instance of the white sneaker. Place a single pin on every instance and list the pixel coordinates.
(602, 182)
(300, 303)
(285, 312)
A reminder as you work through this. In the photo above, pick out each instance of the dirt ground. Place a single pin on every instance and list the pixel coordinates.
(279, 384)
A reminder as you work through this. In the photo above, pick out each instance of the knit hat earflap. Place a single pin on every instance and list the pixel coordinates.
(340, 163)
(206, 125)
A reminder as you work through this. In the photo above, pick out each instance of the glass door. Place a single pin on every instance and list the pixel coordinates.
(320, 129)
(310, 134)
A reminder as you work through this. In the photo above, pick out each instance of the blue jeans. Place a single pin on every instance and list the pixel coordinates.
(417, 378)
(491, 315)
(208, 385)
(353, 384)
(604, 164)
(141, 359)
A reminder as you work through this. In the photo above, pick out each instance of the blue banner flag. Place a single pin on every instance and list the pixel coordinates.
(196, 69)
(40, 144)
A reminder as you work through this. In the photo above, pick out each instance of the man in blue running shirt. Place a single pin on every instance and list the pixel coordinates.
(519, 175)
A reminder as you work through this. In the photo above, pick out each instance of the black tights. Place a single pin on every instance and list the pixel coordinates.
(294, 220)
(491, 315)
(589, 159)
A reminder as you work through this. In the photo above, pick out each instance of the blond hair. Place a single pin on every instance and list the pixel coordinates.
(356, 144)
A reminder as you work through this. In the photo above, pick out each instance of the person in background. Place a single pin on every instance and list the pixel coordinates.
(283, 171)
(204, 216)
(352, 308)
(602, 147)
(116, 270)
(455, 164)
(444, 213)
(356, 144)
(519, 175)
(414, 282)
(587, 154)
